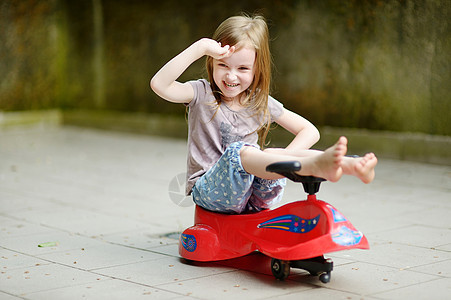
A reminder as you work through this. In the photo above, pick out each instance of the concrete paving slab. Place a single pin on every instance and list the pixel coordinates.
(104, 197)
(435, 289)
(417, 235)
(147, 238)
(80, 221)
(446, 247)
(169, 250)
(11, 260)
(106, 289)
(320, 293)
(64, 241)
(21, 282)
(441, 268)
(5, 296)
(161, 271)
(236, 284)
(364, 278)
(14, 202)
(104, 256)
(10, 227)
(396, 255)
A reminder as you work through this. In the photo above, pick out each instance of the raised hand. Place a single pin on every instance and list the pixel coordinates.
(215, 49)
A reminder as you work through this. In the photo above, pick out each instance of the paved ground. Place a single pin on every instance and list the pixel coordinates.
(103, 198)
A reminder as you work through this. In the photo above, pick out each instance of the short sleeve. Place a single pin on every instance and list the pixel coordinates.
(275, 108)
(201, 87)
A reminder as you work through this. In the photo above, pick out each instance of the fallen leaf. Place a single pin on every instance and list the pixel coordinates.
(48, 244)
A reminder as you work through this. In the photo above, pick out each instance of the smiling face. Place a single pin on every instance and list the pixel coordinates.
(233, 75)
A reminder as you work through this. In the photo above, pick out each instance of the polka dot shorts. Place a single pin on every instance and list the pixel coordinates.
(228, 188)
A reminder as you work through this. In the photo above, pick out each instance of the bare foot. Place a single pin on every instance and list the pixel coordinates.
(328, 164)
(361, 167)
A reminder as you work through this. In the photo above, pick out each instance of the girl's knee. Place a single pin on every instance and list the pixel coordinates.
(247, 151)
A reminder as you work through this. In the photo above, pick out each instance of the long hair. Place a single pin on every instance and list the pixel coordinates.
(244, 31)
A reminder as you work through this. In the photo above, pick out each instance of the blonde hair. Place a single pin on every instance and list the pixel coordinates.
(244, 31)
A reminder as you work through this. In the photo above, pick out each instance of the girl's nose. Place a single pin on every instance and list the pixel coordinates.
(231, 76)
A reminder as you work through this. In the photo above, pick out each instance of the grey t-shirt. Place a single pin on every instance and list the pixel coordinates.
(211, 129)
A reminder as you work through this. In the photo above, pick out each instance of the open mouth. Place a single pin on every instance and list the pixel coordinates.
(231, 85)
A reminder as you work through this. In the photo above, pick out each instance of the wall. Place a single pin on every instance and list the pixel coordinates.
(365, 64)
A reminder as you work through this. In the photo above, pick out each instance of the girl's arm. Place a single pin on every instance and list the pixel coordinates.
(164, 81)
(306, 134)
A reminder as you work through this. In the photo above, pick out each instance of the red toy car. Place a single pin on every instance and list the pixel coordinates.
(294, 235)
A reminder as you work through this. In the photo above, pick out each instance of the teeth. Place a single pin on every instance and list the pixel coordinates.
(231, 85)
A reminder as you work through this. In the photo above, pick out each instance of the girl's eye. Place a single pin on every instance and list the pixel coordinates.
(244, 68)
(222, 65)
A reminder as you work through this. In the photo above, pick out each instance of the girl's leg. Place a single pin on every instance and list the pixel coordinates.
(361, 167)
(326, 164)
(226, 186)
(265, 193)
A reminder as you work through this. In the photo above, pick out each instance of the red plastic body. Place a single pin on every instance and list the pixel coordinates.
(295, 231)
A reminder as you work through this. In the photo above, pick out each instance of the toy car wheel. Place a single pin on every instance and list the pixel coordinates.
(325, 277)
(280, 269)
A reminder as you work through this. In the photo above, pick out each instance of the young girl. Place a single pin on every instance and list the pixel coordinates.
(229, 112)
